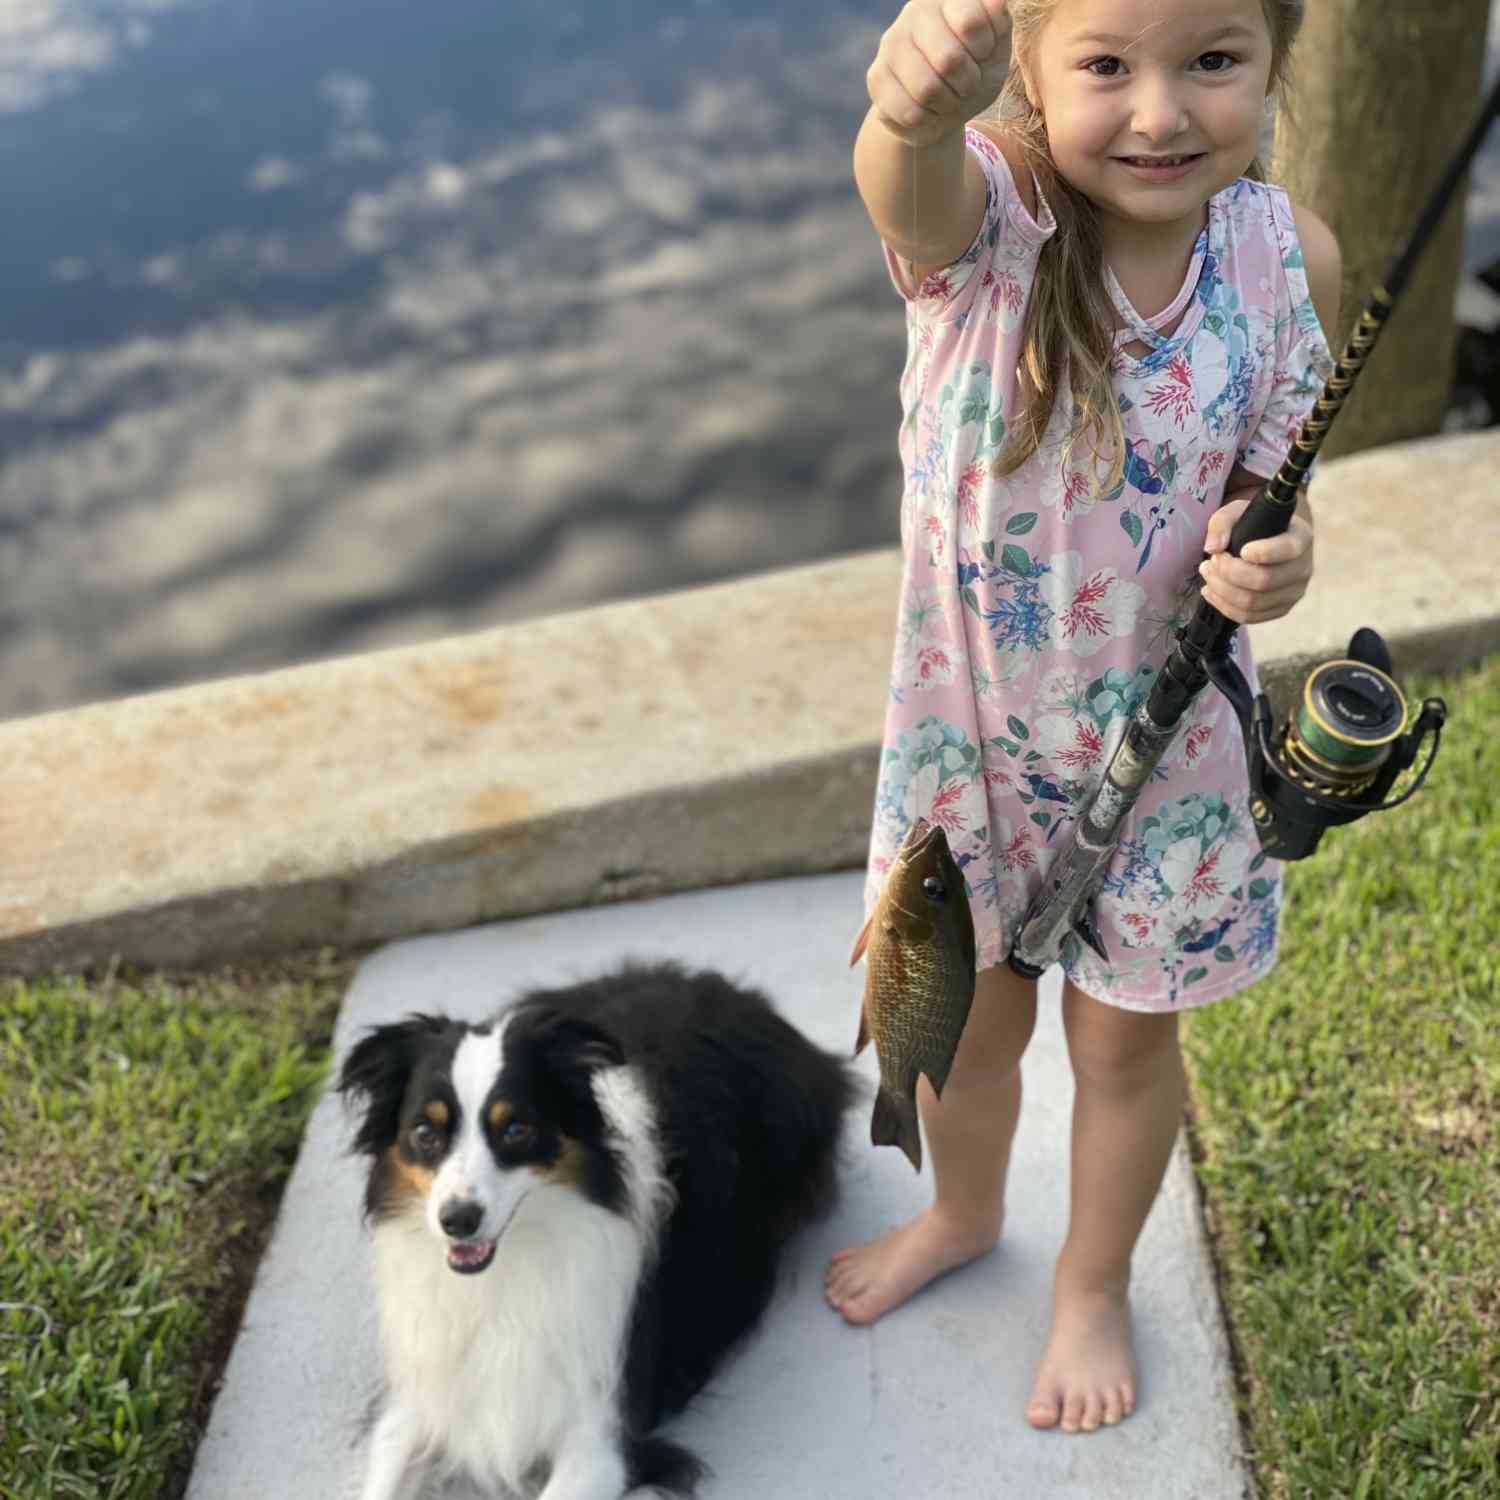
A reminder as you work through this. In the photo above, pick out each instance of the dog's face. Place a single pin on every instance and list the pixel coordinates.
(465, 1122)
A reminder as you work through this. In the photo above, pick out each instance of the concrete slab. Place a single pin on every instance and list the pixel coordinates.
(926, 1404)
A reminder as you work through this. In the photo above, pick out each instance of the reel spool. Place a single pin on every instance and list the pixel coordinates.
(1350, 717)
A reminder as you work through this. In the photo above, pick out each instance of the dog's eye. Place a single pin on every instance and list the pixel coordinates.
(425, 1137)
(517, 1135)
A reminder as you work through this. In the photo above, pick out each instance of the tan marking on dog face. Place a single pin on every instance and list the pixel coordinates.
(437, 1113)
(408, 1179)
(569, 1168)
(500, 1113)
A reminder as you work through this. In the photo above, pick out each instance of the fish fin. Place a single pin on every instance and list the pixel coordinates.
(895, 1123)
(863, 1039)
(937, 1077)
(937, 1074)
(862, 941)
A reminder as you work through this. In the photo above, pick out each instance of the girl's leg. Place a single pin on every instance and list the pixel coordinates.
(968, 1135)
(1127, 1108)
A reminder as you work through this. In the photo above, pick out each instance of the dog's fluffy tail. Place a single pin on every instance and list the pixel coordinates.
(664, 1468)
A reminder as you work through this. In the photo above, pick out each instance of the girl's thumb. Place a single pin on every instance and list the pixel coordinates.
(998, 14)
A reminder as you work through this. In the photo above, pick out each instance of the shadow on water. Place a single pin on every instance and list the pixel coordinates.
(328, 327)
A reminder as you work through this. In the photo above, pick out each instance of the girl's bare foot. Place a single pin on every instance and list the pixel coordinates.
(866, 1281)
(1087, 1375)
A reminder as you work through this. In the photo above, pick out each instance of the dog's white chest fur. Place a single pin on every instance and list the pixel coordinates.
(493, 1369)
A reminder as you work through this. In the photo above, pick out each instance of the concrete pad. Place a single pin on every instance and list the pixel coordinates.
(926, 1404)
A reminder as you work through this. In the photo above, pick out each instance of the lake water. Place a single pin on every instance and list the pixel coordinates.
(327, 325)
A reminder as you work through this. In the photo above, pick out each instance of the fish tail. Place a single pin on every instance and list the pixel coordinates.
(894, 1123)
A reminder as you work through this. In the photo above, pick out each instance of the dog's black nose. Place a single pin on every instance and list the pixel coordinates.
(460, 1217)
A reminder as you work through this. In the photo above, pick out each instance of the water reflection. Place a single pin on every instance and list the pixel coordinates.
(324, 327)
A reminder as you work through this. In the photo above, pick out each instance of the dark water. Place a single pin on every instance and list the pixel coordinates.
(334, 324)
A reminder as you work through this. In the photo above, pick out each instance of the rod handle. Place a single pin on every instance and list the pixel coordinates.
(1264, 516)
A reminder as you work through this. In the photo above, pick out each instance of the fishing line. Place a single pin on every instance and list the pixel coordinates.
(41, 1312)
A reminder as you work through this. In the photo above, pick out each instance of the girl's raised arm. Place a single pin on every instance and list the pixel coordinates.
(941, 63)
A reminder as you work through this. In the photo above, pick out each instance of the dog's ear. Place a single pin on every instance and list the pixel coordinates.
(568, 1045)
(568, 1052)
(377, 1071)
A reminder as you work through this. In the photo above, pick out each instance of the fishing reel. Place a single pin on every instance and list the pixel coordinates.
(1338, 756)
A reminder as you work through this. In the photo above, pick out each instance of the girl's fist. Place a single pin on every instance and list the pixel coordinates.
(1267, 578)
(941, 63)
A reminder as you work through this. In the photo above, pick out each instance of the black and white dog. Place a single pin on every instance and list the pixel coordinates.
(576, 1210)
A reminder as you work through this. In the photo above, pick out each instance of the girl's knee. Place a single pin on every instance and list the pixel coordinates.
(1118, 1048)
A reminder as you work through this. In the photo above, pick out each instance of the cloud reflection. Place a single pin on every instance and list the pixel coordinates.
(634, 353)
(421, 351)
(47, 46)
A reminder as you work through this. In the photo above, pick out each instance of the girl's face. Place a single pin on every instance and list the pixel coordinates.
(1151, 106)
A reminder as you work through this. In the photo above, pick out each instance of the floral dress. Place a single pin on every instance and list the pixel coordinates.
(1035, 611)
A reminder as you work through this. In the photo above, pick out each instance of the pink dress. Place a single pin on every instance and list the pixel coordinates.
(1034, 613)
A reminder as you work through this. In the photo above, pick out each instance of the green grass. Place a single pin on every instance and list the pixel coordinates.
(145, 1131)
(1347, 1125)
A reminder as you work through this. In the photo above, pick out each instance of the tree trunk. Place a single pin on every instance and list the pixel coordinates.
(1382, 92)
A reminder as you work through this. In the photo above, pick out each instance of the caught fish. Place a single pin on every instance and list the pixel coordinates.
(919, 981)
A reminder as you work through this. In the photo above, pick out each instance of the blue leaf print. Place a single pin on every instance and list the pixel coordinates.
(1021, 622)
(1210, 939)
(1140, 473)
(1046, 789)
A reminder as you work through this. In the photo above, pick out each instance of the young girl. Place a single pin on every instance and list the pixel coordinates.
(1115, 330)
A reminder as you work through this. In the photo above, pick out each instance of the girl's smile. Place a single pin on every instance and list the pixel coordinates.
(1161, 168)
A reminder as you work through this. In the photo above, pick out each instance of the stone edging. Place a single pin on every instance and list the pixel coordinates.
(699, 738)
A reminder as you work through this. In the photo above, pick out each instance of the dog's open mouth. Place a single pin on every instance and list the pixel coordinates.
(471, 1256)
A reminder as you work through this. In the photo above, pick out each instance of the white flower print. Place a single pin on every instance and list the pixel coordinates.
(1201, 879)
(1014, 850)
(1172, 394)
(952, 802)
(930, 664)
(1073, 745)
(1068, 489)
(1090, 607)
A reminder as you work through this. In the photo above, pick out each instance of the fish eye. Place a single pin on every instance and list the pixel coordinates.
(933, 888)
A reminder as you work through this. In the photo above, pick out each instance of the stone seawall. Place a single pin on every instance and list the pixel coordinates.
(690, 739)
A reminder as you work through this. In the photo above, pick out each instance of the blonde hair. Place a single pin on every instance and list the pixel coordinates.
(1069, 330)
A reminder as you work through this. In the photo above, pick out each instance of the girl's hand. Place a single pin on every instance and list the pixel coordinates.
(1268, 577)
(941, 63)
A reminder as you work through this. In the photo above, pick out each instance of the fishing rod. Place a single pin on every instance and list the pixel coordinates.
(1339, 755)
